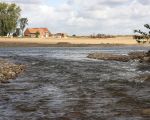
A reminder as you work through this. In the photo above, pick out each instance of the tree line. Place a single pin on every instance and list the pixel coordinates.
(10, 20)
(101, 36)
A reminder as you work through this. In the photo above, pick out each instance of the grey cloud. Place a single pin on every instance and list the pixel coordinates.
(87, 16)
(112, 15)
(24, 1)
(144, 2)
(114, 3)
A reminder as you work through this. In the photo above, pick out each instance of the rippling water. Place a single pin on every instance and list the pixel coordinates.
(62, 84)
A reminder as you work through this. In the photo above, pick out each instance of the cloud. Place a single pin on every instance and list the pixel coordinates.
(86, 16)
(24, 1)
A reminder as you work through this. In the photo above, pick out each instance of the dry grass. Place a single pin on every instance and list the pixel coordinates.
(117, 40)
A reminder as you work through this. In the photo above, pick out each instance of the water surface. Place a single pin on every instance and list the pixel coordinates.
(62, 84)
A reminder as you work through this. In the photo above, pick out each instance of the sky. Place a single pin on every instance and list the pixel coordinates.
(84, 17)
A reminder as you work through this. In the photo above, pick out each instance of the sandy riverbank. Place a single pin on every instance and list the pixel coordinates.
(66, 41)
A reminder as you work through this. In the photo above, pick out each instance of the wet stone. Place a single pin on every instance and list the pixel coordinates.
(9, 70)
(146, 112)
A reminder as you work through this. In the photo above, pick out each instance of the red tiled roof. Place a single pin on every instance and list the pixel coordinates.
(34, 30)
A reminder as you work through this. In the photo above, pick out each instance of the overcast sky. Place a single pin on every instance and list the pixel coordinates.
(86, 16)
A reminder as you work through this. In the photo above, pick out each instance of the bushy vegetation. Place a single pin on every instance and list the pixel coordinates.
(9, 15)
(37, 34)
(143, 37)
(10, 19)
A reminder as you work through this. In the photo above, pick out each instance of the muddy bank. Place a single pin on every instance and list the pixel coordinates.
(140, 56)
(59, 44)
(9, 70)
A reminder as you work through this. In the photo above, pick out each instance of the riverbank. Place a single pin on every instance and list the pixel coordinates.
(137, 56)
(66, 42)
(9, 70)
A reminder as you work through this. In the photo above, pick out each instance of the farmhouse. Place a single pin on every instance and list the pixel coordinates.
(37, 32)
(60, 35)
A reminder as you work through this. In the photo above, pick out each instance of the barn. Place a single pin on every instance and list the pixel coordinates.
(32, 32)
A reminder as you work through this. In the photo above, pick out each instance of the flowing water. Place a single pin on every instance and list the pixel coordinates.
(62, 84)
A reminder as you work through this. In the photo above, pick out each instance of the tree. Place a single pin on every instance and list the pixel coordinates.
(143, 35)
(17, 33)
(73, 35)
(37, 34)
(23, 22)
(9, 15)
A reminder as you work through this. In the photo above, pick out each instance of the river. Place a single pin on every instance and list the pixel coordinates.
(63, 84)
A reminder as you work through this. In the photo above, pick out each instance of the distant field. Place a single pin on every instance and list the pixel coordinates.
(67, 42)
(116, 40)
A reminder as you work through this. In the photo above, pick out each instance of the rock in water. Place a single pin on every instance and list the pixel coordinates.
(137, 55)
(140, 56)
(9, 70)
(146, 112)
(109, 56)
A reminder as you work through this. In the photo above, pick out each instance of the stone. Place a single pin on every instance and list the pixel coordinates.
(136, 55)
(146, 111)
(148, 54)
(9, 70)
(146, 59)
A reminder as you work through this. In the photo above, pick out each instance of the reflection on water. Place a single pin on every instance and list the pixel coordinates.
(62, 84)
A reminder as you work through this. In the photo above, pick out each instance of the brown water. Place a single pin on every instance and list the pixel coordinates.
(62, 84)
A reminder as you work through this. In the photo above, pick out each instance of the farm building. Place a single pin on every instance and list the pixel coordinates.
(60, 35)
(37, 32)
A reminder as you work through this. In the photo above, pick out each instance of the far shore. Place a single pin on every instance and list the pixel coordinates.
(66, 42)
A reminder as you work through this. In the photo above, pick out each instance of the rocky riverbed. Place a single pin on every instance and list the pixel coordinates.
(140, 56)
(9, 70)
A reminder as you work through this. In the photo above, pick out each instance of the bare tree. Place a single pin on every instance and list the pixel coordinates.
(23, 23)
